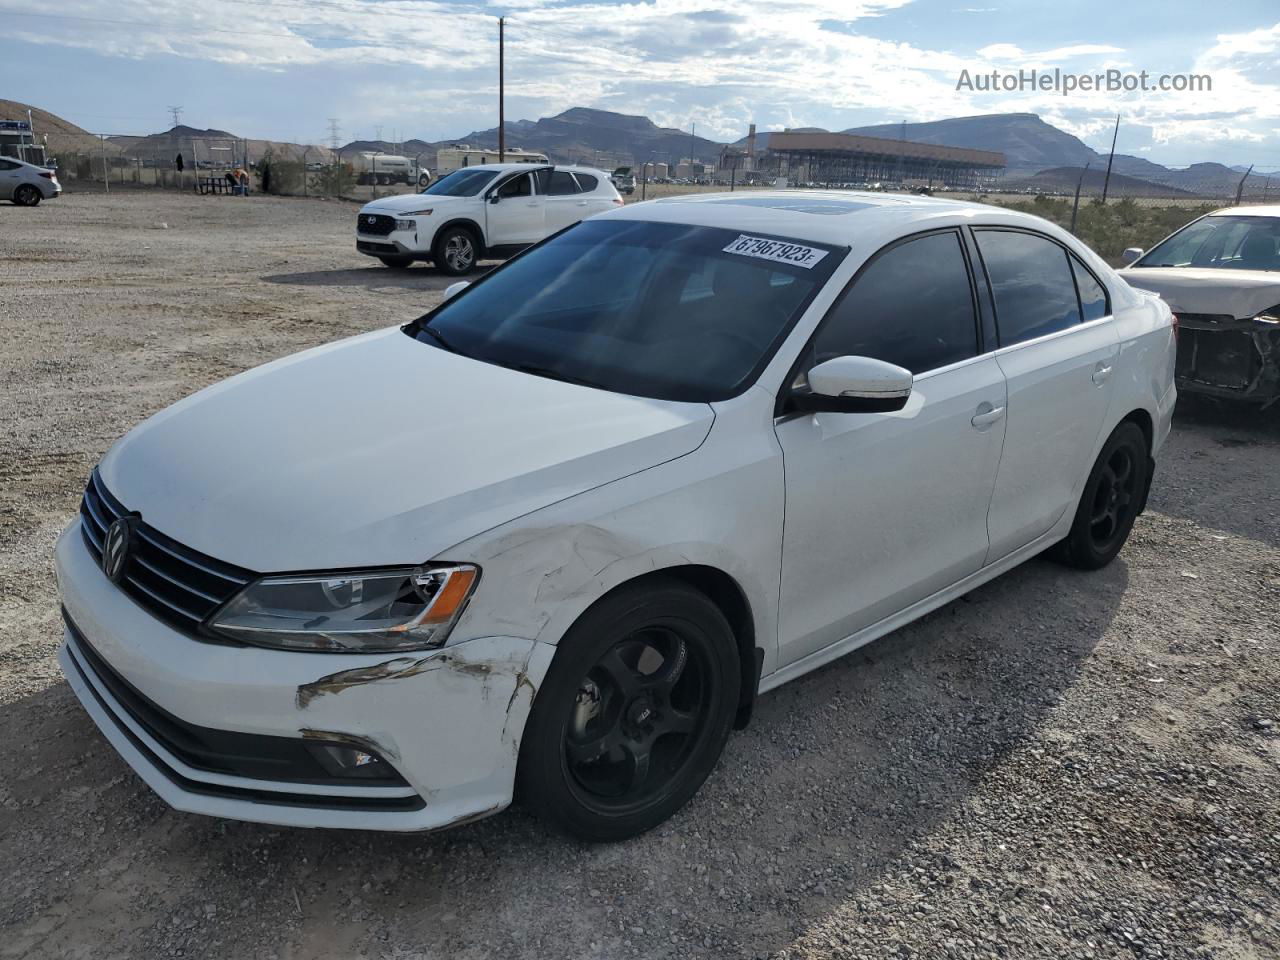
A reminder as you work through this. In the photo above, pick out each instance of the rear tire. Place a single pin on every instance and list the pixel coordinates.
(27, 196)
(1112, 498)
(397, 263)
(456, 251)
(633, 714)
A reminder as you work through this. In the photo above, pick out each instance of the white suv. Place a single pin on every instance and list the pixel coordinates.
(494, 210)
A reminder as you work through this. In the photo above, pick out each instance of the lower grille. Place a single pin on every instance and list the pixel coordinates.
(248, 755)
(179, 585)
(370, 246)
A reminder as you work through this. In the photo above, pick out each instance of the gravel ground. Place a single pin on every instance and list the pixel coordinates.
(1058, 765)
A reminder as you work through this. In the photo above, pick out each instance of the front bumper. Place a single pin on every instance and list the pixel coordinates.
(397, 243)
(1220, 356)
(449, 721)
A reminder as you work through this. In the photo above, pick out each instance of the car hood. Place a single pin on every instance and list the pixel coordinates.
(379, 450)
(1240, 293)
(404, 202)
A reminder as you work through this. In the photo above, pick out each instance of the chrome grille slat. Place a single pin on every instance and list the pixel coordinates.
(133, 582)
(237, 581)
(169, 579)
(141, 561)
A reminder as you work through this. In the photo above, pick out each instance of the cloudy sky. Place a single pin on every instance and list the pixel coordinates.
(421, 68)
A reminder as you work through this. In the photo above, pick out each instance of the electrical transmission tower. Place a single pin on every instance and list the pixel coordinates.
(176, 114)
(335, 138)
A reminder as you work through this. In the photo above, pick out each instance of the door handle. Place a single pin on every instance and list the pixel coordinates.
(985, 418)
(1101, 372)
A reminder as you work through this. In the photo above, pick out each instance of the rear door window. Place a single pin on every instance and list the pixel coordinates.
(1032, 282)
(561, 184)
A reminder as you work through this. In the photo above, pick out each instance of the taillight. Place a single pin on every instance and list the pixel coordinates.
(1174, 324)
(46, 175)
(618, 202)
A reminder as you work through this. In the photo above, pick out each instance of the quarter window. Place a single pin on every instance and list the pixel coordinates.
(1031, 280)
(1093, 295)
(587, 182)
(912, 306)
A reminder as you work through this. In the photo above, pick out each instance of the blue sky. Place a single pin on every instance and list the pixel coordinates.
(427, 68)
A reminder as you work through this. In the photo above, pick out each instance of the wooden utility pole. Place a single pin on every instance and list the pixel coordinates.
(502, 120)
(1106, 182)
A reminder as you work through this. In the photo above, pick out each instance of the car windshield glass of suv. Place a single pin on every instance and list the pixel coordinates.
(671, 311)
(1230, 242)
(460, 183)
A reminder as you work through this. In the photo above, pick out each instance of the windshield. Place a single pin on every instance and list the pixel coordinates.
(1229, 242)
(461, 183)
(671, 311)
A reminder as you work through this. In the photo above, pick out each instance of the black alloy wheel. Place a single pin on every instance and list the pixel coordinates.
(633, 714)
(1113, 496)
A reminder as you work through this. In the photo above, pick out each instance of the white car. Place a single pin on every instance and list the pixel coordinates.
(534, 541)
(1221, 276)
(493, 210)
(26, 184)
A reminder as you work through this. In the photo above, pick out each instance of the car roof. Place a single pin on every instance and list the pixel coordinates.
(503, 167)
(1255, 210)
(824, 216)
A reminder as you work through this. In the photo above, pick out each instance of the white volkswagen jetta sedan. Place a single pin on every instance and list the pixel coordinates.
(494, 210)
(554, 537)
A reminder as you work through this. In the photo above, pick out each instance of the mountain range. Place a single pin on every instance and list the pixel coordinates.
(1034, 150)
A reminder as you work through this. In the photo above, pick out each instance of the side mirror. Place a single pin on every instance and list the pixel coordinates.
(494, 198)
(453, 289)
(1131, 254)
(854, 385)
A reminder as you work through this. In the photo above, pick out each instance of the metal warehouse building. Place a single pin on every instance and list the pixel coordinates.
(847, 158)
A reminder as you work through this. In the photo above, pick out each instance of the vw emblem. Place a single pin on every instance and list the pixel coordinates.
(115, 548)
(371, 219)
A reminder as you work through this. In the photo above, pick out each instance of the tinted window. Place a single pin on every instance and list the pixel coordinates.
(8, 165)
(911, 306)
(561, 184)
(650, 309)
(519, 186)
(1032, 283)
(1093, 296)
(460, 183)
(587, 181)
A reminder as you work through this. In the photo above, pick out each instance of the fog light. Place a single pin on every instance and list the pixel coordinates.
(352, 762)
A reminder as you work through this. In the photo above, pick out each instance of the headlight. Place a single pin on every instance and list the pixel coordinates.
(406, 224)
(376, 612)
(1270, 315)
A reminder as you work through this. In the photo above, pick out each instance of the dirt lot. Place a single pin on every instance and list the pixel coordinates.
(1059, 765)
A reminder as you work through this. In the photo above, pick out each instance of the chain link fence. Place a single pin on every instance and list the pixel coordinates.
(1108, 212)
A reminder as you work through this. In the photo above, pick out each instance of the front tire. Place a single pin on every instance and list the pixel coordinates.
(27, 196)
(456, 252)
(397, 263)
(1113, 495)
(633, 714)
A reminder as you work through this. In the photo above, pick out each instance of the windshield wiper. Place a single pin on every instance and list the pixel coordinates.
(441, 339)
(552, 374)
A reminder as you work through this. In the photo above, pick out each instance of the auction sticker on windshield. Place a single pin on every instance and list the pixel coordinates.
(779, 251)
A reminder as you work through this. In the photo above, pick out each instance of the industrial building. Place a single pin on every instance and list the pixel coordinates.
(847, 158)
